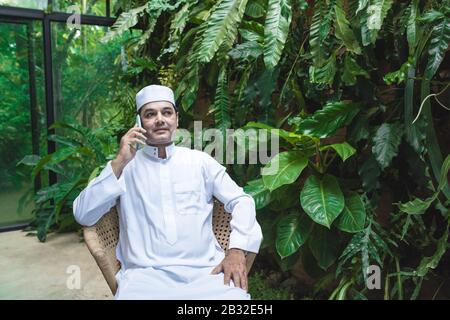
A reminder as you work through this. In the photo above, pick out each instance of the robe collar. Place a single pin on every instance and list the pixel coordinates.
(153, 151)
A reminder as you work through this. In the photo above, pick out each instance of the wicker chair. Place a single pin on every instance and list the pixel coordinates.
(102, 238)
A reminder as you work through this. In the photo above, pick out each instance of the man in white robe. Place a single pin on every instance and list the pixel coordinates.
(167, 247)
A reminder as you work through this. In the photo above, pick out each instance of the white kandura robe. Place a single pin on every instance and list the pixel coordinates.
(167, 247)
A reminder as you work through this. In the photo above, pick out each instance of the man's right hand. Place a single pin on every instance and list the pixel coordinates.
(127, 149)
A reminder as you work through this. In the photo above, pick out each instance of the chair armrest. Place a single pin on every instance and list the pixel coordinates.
(104, 257)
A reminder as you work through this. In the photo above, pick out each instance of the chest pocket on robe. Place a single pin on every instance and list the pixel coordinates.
(187, 196)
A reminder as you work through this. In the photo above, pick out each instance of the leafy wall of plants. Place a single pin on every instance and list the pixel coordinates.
(357, 92)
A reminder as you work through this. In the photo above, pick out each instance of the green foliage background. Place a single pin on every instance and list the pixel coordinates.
(346, 85)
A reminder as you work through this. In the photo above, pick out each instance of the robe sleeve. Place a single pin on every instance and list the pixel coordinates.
(98, 197)
(246, 233)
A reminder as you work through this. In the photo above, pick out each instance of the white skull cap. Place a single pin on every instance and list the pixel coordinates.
(154, 93)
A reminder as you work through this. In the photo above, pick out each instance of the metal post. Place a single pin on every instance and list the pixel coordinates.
(33, 99)
(50, 106)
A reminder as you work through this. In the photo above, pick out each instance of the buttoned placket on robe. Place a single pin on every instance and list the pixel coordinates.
(167, 201)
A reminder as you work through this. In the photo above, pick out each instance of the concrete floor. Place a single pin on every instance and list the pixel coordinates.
(30, 269)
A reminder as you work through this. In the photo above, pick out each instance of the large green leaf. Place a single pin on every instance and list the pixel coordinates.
(259, 192)
(386, 142)
(323, 74)
(372, 19)
(411, 29)
(278, 20)
(322, 199)
(249, 50)
(58, 156)
(326, 121)
(353, 216)
(344, 150)
(292, 231)
(290, 137)
(440, 39)
(342, 29)
(283, 169)
(352, 70)
(221, 28)
(377, 11)
(255, 9)
(324, 245)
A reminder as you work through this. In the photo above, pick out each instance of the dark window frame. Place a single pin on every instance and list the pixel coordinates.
(19, 15)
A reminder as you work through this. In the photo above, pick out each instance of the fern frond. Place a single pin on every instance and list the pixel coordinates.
(124, 22)
(221, 109)
(278, 20)
(318, 36)
(221, 28)
(177, 26)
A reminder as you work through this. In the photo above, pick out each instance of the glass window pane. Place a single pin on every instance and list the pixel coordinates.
(30, 4)
(91, 7)
(114, 6)
(83, 74)
(20, 45)
(85, 81)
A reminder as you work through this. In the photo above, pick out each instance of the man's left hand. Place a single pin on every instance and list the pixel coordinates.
(234, 267)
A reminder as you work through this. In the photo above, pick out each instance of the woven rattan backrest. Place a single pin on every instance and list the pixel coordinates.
(107, 228)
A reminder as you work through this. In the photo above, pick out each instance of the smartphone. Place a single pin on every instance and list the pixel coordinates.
(139, 125)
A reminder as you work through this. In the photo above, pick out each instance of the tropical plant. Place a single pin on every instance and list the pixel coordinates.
(81, 155)
(333, 78)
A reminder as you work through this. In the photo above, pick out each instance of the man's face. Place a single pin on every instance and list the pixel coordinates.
(160, 120)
